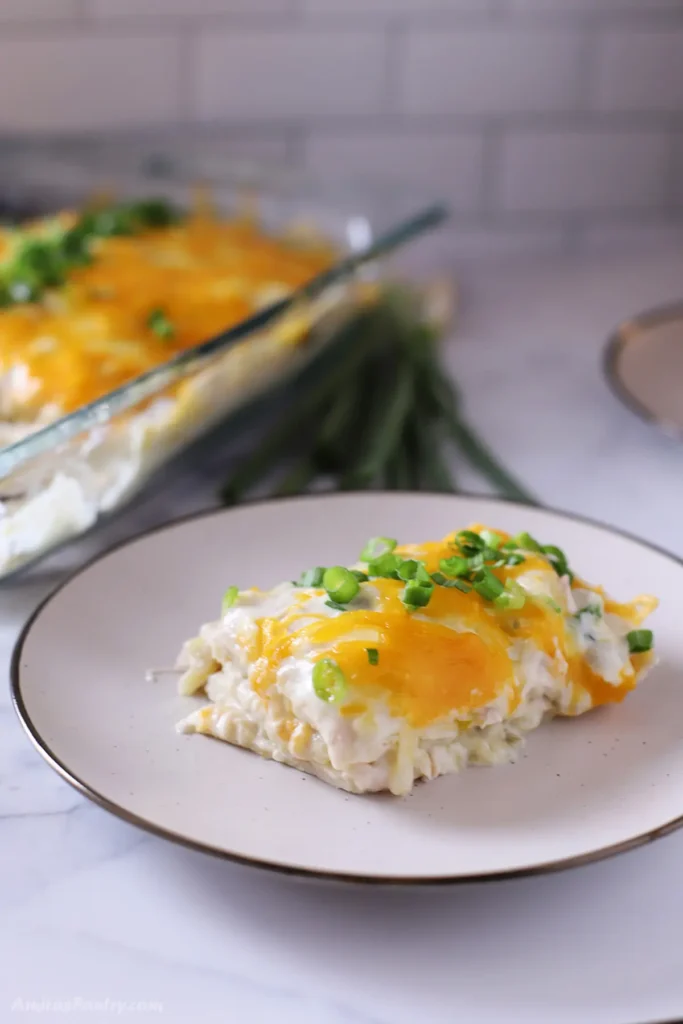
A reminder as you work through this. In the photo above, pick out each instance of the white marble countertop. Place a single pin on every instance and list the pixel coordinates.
(99, 920)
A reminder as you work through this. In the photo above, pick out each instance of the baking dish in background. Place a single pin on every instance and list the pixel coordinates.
(57, 480)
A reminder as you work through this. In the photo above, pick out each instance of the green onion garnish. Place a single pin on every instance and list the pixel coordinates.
(455, 566)
(362, 577)
(373, 655)
(487, 585)
(469, 541)
(158, 322)
(385, 566)
(110, 220)
(558, 559)
(229, 598)
(476, 561)
(377, 546)
(329, 682)
(515, 559)
(75, 247)
(153, 213)
(340, 584)
(640, 641)
(422, 575)
(417, 594)
(491, 540)
(527, 543)
(444, 581)
(407, 570)
(40, 261)
(461, 585)
(312, 577)
(337, 607)
(513, 597)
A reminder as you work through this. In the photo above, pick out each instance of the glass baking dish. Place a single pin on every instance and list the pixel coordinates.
(58, 480)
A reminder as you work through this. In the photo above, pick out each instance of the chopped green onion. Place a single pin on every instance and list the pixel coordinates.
(417, 595)
(408, 570)
(40, 261)
(340, 584)
(439, 579)
(527, 543)
(385, 566)
(376, 547)
(461, 585)
(491, 539)
(329, 682)
(362, 577)
(75, 246)
(469, 541)
(640, 641)
(455, 566)
(110, 220)
(158, 322)
(373, 655)
(312, 577)
(515, 559)
(590, 609)
(487, 585)
(422, 575)
(153, 213)
(558, 559)
(513, 597)
(337, 606)
(229, 598)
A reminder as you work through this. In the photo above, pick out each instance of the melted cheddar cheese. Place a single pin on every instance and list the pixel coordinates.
(458, 680)
(452, 655)
(91, 335)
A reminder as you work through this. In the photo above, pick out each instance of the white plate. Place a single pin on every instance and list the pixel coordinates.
(586, 788)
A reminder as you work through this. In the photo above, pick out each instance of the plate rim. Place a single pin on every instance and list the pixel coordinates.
(274, 866)
(613, 350)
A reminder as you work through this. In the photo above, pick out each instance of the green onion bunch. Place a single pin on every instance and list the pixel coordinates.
(40, 263)
(384, 415)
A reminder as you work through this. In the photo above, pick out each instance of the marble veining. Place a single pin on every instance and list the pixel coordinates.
(98, 920)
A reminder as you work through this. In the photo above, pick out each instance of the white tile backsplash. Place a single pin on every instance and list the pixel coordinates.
(578, 171)
(535, 119)
(567, 8)
(416, 7)
(641, 70)
(37, 10)
(84, 81)
(445, 165)
(245, 74)
(490, 71)
(197, 9)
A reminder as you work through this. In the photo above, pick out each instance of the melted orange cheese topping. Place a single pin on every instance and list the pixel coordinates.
(91, 335)
(452, 655)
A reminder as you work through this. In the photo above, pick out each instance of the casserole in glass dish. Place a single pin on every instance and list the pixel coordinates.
(135, 314)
